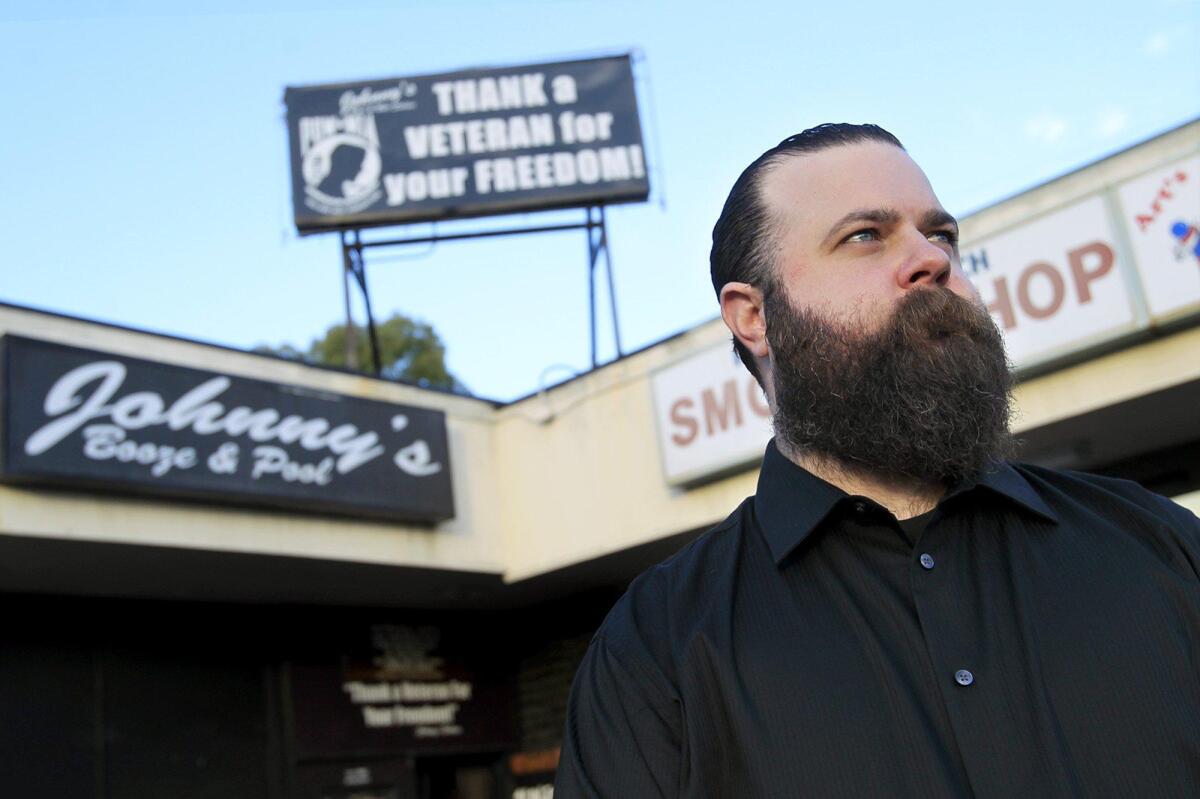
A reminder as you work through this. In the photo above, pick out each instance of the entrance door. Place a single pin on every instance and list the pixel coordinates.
(356, 779)
(462, 777)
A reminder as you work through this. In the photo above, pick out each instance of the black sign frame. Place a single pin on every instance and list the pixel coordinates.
(369, 459)
(564, 123)
(459, 674)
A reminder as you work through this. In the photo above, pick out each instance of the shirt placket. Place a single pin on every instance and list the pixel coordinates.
(945, 613)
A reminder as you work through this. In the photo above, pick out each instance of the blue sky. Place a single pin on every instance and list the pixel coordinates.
(145, 172)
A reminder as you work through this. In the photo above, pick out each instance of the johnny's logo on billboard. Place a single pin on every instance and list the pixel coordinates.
(340, 159)
(370, 100)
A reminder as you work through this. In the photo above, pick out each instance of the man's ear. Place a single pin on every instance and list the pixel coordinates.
(744, 315)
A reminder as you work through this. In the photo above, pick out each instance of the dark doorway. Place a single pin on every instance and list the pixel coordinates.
(462, 777)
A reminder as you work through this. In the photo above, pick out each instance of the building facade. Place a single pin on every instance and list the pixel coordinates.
(228, 574)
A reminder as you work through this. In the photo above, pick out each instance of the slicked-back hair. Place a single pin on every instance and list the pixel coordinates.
(743, 240)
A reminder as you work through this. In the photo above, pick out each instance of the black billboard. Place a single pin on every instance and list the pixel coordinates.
(470, 143)
(404, 688)
(82, 418)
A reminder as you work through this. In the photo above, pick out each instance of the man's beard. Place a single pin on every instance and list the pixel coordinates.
(926, 396)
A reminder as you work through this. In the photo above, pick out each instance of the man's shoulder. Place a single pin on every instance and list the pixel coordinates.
(1100, 492)
(1101, 505)
(663, 601)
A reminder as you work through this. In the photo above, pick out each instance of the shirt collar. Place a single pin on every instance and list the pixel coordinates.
(1006, 481)
(791, 501)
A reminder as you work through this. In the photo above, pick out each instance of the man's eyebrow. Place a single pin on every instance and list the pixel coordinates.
(933, 218)
(937, 217)
(879, 216)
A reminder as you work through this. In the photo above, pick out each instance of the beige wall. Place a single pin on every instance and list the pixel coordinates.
(589, 482)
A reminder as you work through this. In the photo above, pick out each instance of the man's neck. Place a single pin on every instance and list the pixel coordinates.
(904, 496)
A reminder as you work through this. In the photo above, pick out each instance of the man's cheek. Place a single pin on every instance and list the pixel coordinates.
(963, 287)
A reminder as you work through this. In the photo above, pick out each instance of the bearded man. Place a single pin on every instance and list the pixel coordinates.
(898, 611)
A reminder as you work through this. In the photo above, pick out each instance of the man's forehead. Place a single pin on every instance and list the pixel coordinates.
(821, 187)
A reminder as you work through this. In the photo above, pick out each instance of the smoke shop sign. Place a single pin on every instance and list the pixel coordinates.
(83, 418)
(1055, 284)
(470, 143)
(712, 416)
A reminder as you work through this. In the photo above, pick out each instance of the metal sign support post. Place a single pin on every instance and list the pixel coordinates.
(349, 343)
(352, 258)
(597, 235)
(594, 225)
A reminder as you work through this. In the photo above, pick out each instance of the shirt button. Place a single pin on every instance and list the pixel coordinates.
(927, 560)
(860, 506)
(964, 677)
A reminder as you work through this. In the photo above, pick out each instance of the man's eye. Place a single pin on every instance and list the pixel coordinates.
(869, 234)
(948, 236)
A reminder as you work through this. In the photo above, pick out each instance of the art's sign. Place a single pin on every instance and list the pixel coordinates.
(1161, 212)
(400, 687)
(712, 416)
(1054, 284)
(84, 418)
(471, 143)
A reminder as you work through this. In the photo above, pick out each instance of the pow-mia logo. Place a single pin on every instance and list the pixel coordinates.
(340, 163)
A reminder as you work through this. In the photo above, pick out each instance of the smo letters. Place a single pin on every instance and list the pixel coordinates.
(75, 415)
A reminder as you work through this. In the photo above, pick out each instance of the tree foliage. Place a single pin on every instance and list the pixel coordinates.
(409, 350)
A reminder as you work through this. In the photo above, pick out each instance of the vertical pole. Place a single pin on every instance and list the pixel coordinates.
(612, 292)
(351, 343)
(593, 255)
(361, 270)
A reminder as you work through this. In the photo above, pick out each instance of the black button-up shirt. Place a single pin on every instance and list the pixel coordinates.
(1038, 636)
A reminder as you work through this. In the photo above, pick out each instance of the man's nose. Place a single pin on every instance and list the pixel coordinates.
(925, 265)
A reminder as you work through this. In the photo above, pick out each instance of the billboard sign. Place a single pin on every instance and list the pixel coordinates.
(712, 416)
(1161, 212)
(1054, 284)
(81, 418)
(402, 687)
(471, 143)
